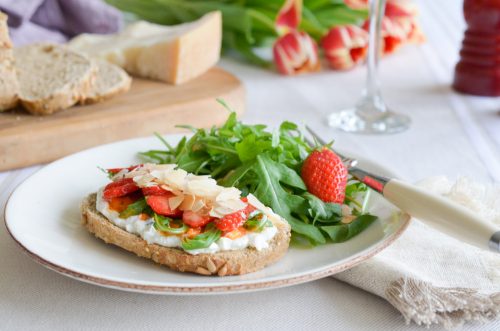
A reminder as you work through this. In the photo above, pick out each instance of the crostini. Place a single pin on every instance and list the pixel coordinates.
(185, 222)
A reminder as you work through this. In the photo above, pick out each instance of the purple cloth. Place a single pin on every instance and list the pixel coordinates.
(58, 20)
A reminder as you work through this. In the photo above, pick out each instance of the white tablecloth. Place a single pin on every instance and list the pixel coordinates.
(450, 134)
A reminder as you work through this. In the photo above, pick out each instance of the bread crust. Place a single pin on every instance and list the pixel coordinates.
(224, 263)
(122, 87)
(9, 87)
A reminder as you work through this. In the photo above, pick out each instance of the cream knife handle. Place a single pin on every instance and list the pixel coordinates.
(442, 214)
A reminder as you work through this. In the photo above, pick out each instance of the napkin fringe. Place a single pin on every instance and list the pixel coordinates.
(425, 304)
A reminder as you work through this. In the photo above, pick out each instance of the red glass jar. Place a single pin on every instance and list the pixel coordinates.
(478, 71)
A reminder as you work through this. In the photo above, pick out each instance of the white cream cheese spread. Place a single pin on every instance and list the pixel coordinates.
(145, 229)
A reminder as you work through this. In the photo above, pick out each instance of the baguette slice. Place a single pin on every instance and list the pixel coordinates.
(52, 77)
(173, 54)
(110, 80)
(8, 80)
(222, 263)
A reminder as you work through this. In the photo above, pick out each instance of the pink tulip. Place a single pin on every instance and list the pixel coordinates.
(296, 52)
(345, 46)
(356, 4)
(289, 16)
(393, 34)
(403, 13)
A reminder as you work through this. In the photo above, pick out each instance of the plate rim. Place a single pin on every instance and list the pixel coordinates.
(204, 289)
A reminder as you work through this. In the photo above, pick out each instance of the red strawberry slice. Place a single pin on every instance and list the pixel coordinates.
(155, 190)
(232, 221)
(325, 175)
(117, 170)
(195, 220)
(119, 188)
(160, 205)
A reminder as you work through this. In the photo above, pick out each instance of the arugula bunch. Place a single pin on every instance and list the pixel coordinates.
(266, 164)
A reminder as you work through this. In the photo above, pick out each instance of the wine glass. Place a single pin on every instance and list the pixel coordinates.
(370, 114)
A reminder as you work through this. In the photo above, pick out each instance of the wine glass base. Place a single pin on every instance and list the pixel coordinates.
(351, 120)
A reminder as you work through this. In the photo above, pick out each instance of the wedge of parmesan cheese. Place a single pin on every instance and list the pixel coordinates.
(174, 54)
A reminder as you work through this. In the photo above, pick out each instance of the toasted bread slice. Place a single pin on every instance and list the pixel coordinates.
(223, 263)
(52, 77)
(8, 80)
(110, 80)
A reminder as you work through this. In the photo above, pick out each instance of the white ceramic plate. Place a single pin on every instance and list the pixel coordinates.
(43, 217)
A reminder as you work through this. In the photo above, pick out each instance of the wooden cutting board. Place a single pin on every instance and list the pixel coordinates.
(148, 107)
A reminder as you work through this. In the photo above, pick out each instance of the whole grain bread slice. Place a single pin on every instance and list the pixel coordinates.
(222, 263)
(52, 77)
(8, 80)
(110, 80)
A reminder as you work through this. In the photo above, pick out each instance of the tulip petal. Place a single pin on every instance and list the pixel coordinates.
(296, 52)
(289, 16)
(345, 46)
(356, 4)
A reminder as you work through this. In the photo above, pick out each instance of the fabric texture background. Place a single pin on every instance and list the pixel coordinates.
(58, 20)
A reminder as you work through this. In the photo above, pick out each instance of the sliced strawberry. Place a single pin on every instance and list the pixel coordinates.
(249, 209)
(195, 220)
(160, 205)
(155, 190)
(119, 188)
(232, 221)
(117, 170)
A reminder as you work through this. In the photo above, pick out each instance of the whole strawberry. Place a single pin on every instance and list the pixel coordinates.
(325, 175)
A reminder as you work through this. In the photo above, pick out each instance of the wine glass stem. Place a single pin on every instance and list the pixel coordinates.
(371, 93)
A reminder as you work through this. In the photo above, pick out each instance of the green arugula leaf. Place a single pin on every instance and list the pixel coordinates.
(203, 240)
(325, 212)
(134, 208)
(163, 224)
(257, 222)
(342, 232)
(271, 193)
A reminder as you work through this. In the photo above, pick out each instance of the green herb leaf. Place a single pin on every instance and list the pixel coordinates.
(270, 191)
(257, 222)
(342, 232)
(134, 208)
(163, 224)
(203, 240)
(325, 212)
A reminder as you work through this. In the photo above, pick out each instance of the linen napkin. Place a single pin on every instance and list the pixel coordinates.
(432, 278)
(57, 20)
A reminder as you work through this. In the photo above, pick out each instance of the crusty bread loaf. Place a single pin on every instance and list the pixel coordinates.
(110, 80)
(174, 54)
(52, 77)
(8, 81)
(222, 263)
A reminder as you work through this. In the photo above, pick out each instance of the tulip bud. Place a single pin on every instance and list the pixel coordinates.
(289, 16)
(296, 52)
(393, 34)
(356, 4)
(345, 46)
(403, 14)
